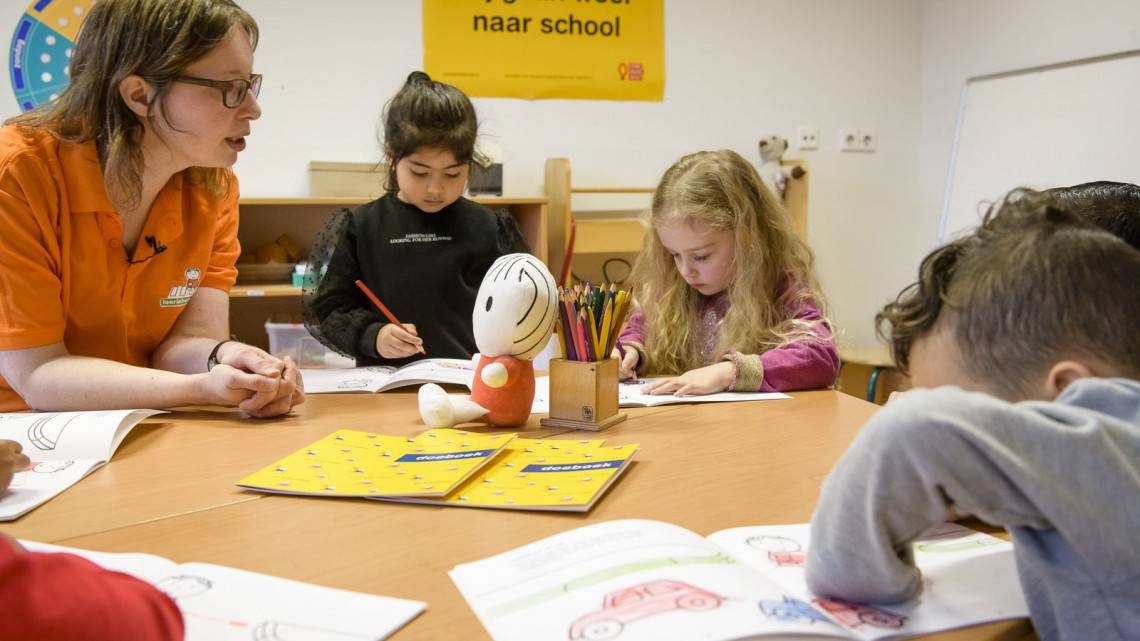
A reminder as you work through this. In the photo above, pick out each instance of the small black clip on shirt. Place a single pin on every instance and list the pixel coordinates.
(156, 248)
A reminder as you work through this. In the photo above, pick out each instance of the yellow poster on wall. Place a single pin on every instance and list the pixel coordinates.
(593, 49)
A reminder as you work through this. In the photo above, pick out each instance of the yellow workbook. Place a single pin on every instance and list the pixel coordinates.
(541, 475)
(352, 463)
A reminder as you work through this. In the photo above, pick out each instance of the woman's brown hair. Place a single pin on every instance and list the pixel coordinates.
(155, 40)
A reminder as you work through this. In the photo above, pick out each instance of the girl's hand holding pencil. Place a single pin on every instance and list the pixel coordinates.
(395, 340)
(398, 341)
(627, 362)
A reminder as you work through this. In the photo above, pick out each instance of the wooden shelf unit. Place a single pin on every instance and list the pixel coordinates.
(604, 236)
(263, 220)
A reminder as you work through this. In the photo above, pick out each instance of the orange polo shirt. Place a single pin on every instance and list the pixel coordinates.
(64, 274)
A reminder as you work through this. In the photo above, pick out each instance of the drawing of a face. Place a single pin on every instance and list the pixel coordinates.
(183, 586)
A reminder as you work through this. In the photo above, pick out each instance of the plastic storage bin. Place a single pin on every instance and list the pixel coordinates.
(294, 341)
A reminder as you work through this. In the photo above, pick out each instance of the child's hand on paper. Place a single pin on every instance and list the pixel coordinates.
(703, 380)
(396, 341)
(627, 364)
(12, 460)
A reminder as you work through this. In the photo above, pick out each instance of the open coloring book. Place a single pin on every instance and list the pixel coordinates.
(381, 378)
(224, 604)
(629, 395)
(64, 447)
(634, 580)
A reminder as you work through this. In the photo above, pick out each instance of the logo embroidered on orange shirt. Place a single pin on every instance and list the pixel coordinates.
(180, 294)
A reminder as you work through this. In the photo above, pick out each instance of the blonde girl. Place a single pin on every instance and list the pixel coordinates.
(728, 299)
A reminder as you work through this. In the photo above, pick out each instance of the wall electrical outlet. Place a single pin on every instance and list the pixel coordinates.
(807, 137)
(851, 139)
(868, 140)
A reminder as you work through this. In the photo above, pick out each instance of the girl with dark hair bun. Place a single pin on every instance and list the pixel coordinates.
(422, 248)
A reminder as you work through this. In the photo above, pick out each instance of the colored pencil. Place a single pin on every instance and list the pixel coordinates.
(376, 301)
(384, 310)
(569, 254)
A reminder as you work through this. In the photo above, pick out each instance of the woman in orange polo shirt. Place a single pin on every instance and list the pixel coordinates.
(119, 217)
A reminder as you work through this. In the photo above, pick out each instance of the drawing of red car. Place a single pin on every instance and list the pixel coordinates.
(638, 602)
(854, 615)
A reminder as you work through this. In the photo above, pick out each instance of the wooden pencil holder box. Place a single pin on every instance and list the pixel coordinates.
(583, 395)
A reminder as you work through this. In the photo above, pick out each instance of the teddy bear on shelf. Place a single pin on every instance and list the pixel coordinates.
(774, 174)
(513, 319)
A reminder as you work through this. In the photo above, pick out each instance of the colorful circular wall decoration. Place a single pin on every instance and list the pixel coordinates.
(41, 49)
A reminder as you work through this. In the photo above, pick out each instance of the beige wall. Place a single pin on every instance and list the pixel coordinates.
(966, 38)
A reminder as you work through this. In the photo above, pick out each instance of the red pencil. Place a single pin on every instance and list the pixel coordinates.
(569, 255)
(384, 310)
(376, 301)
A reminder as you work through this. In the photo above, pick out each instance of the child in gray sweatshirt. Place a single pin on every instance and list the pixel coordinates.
(1028, 331)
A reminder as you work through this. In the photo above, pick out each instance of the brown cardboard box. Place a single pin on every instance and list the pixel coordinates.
(606, 245)
(354, 179)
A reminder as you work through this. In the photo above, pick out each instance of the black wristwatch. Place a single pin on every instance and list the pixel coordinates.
(212, 360)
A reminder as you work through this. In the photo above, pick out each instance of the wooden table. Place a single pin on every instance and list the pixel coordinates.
(705, 467)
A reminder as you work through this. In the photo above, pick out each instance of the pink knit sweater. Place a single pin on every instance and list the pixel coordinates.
(801, 365)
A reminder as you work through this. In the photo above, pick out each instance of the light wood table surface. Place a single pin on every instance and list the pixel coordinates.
(185, 462)
(705, 467)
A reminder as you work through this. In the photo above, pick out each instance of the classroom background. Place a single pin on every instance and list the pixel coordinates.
(737, 70)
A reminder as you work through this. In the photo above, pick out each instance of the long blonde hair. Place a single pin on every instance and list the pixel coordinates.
(154, 39)
(772, 270)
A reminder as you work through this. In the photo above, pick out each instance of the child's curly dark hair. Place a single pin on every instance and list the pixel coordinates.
(1035, 283)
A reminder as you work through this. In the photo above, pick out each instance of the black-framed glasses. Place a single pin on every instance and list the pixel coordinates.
(233, 91)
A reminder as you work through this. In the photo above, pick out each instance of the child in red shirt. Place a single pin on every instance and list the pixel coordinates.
(61, 597)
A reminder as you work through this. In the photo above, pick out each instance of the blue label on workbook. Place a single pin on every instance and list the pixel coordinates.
(443, 456)
(575, 467)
